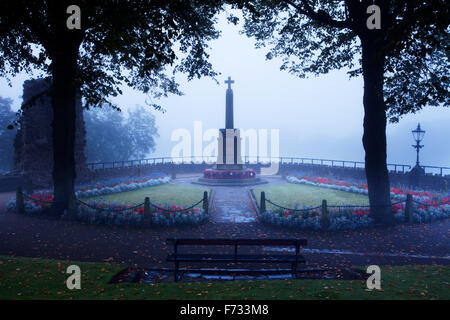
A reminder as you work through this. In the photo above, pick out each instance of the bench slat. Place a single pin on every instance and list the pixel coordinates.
(240, 242)
(232, 258)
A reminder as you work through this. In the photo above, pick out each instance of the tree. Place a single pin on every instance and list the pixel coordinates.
(117, 43)
(104, 135)
(141, 130)
(6, 136)
(408, 56)
(112, 137)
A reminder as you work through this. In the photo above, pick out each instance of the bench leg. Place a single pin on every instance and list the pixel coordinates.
(294, 270)
(176, 271)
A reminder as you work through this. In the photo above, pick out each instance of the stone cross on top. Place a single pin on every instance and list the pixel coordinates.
(229, 105)
(229, 82)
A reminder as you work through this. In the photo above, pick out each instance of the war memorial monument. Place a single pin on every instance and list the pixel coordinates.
(229, 169)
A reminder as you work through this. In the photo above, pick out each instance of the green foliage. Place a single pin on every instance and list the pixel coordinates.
(121, 42)
(417, 69)
(305, 45)
(314, 37)
(110, 136)
(6, 135)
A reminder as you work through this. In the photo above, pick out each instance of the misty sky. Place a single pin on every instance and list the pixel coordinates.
(318, 117)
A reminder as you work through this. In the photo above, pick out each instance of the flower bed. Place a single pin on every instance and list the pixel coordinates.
(396, 193)
(426, 208)
(125, 215)
(229, 174)
(426, 213)
(119, 214)
(116, 186)
(349, 219)
(352, 219)
(100, 188)
(286, 218)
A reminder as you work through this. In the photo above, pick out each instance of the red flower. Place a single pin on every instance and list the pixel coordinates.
(361, 212)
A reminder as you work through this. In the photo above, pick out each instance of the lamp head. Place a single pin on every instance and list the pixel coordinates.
(418, 133)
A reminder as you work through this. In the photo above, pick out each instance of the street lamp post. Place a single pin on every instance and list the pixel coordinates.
(418, 136)
(417, 172)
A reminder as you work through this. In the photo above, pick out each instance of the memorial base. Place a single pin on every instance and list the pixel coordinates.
(229, 175)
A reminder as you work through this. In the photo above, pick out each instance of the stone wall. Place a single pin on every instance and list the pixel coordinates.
(33, 146)
(147, 169)
(428, 181)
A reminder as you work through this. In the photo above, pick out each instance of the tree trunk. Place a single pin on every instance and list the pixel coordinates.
(374, 138)
(64, 66)
(63, 48)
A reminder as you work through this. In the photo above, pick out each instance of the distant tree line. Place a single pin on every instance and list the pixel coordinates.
(111, 136)
(7, 116)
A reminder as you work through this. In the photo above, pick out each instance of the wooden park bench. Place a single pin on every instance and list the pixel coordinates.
(235, 257)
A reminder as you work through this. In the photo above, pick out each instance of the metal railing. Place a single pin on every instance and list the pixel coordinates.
(441, 170)
(256, 160)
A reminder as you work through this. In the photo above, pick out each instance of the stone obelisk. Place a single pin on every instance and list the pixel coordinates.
(229, 169)
(229, 155)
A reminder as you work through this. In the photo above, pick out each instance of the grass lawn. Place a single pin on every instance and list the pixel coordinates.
(289, 195)
(26, 278)
(172, 194)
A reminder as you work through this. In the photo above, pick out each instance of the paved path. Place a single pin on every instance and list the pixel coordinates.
(232, 205)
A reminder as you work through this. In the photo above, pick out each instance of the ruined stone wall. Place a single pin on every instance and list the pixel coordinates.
(33, 144)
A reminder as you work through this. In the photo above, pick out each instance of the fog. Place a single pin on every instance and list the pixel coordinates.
(318, 117)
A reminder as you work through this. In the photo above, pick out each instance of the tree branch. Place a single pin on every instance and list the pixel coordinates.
(320, 16)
